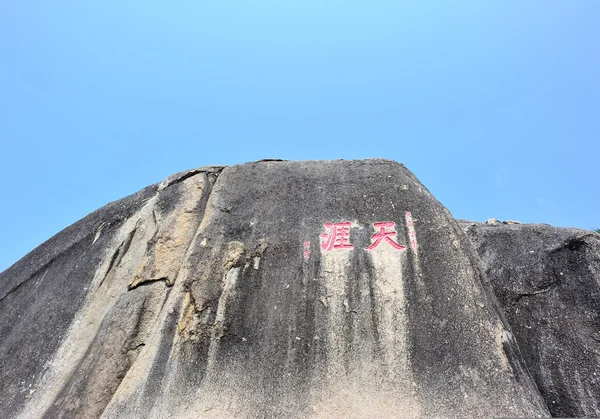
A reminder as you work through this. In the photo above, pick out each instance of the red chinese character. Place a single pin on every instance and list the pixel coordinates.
(384, 235)
(337, 237)
(306, 249)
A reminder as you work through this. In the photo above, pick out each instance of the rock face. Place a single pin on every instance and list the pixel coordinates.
(270, 289)
(548, 282)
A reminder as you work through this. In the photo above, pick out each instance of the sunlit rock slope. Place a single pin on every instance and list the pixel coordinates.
(269, 289)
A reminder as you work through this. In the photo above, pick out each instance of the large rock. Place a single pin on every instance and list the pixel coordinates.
(319, 289)
(548, 282)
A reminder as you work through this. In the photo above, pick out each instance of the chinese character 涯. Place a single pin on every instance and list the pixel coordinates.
(337, 236)
(386, 232)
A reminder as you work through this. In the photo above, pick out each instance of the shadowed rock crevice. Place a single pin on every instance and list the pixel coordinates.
(112, 352)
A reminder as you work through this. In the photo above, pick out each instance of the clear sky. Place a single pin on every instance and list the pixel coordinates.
(494, 105)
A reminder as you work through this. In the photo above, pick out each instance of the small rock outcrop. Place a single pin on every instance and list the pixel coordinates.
(294, 289)
(547, 280)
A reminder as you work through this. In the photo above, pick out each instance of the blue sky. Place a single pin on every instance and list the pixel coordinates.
(495, 106)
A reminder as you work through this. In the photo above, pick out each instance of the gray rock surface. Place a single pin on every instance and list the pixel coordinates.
(261, 290)
(547, 280)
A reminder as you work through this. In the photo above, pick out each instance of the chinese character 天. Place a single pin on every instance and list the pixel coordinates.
(384, 232)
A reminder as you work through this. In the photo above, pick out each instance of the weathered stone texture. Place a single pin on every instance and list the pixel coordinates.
(547, 280)
(210, 295)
